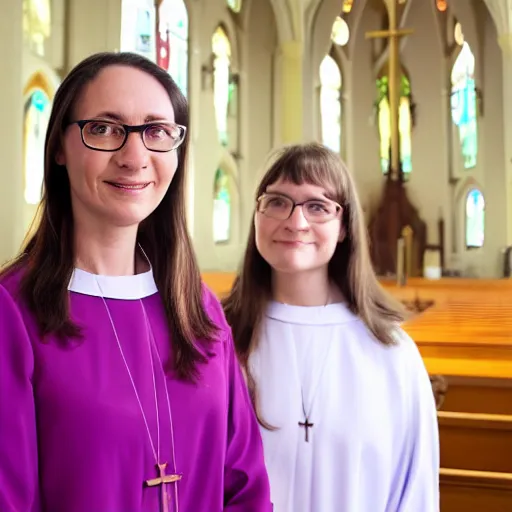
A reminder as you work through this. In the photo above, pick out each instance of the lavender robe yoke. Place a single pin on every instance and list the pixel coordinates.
(72, 437)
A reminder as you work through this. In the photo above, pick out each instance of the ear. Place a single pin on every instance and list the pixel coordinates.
(342, 234)
(60, 157)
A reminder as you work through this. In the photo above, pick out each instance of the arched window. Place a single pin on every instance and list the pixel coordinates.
(221, 207)
(475, 219)
(221, 48)
(137, 27)
(235, 5)
(404, 123)
(36, 116)
(172, 42)
(330, 103)
(463, 102)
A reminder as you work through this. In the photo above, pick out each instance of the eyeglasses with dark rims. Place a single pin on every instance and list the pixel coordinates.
(159, 136)
(281, 207)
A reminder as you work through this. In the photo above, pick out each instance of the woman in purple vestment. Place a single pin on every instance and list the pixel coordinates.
(120, 388)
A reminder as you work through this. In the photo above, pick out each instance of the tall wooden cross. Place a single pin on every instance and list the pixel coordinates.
(393, 34)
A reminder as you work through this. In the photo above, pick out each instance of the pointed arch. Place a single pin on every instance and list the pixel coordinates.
(464, 105)
(38, 97)
(331, 103)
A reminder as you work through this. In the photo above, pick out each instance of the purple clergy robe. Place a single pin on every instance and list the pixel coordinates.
(72, 435)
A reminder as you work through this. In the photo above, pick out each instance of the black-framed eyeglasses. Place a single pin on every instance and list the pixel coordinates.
(112, 136)
(281, 207)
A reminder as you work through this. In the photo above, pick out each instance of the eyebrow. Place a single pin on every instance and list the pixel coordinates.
(311, 198)
(121, 119)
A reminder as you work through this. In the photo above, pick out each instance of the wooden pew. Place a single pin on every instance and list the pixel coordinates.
(475, 491)
(450, 290)
(219, 282)
(478, 442)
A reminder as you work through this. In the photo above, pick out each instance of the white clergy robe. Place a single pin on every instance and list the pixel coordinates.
(373, 446)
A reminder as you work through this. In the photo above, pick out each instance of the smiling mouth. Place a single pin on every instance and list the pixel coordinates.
(124, 186)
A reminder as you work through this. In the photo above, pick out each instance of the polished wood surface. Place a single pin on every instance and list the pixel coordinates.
(475, 491)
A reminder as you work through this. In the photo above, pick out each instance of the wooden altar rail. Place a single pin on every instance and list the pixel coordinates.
(475, 491)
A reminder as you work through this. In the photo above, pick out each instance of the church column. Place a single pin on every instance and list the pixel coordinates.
(11, 129)
(289, 95)
(505, 42)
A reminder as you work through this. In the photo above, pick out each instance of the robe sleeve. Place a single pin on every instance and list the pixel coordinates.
(246, 483)
(247, 487)
(18, 439)
(420, 463)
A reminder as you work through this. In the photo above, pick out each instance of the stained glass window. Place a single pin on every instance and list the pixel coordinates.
(464, 104)
(221, 81)
(404, 123)
(221, 207)
(37, 23)
(347, 6)
(475, 219)
(137, 27)
(330, 103)
(172, 43)
(36, 117)
(235, 5)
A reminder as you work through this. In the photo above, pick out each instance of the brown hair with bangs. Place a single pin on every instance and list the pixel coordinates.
(350, 267)
(48, 258)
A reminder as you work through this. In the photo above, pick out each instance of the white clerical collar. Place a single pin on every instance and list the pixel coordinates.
(113, 287)
(310, 315)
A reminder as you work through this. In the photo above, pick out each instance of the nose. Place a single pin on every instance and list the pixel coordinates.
(133, 155)
(297, 220)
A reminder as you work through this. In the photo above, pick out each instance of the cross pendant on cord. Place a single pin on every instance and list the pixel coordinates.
(162, 480)
(306, 426)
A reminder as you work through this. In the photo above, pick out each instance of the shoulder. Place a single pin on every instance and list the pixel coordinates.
(215, 312)
(13, 313)
(10, 284)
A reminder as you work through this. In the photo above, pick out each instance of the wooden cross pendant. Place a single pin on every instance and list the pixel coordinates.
(162, 480)
(306, 426)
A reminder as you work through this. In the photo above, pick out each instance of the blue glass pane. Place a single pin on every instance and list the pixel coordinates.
(475, 219)
(464, 107)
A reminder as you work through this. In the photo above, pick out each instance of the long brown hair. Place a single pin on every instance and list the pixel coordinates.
(350, 267)
(48, 257)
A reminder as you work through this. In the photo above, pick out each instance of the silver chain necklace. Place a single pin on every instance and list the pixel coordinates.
(163, 478)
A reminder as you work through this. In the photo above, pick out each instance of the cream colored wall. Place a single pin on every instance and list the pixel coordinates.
(278, 65)
(11, 106)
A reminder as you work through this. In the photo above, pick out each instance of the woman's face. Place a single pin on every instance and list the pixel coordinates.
(304, 240)
(120, 187)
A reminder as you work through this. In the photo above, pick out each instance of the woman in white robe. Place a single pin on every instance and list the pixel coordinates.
(345, 404)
